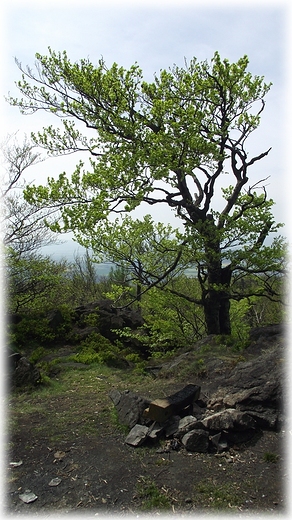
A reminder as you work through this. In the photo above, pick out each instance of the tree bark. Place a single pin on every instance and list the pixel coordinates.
(216, 296)
(217, 312)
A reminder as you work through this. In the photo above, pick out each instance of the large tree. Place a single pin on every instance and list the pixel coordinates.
(170, 143)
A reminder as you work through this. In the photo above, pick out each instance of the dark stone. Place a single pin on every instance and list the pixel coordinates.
(25, 374)
(14, 318)
(13, 359)
(186, 424)
(255, 387)
(130, 407)
(137, 435)
(110, 319)
(196, 440)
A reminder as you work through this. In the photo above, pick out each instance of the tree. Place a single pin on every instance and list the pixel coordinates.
(35, 283)
(23, 224)
(149, 253)
(168, 143)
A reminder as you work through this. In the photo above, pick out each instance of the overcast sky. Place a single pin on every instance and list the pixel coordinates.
(157, 35)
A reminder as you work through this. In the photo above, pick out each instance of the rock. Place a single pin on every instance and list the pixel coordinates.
(130, 407)
(198, 409)
(255, 387)
(155, 431)
(13, 359)
(28, 496)
(229, 419)
(171, 426)
(55, 482)
(186, 424)
(137, 435)
(14, 318)
(55, 319)
(59, 455)
(262, 337)
(196, 440)
(109, 319)
(16, 464)
(267, 419)
(248, 399)
(25, 373)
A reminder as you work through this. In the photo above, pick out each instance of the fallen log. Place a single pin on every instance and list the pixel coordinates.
(161, 409)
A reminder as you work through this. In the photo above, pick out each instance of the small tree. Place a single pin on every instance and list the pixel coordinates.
(148, 253)
(85, 283)
(166, 143)
(23, 224)
(35, 283)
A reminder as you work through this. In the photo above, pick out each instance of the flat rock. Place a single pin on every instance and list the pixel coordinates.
(229, 419)
(137, 435)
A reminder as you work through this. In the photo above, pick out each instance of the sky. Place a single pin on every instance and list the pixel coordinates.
(156, 35)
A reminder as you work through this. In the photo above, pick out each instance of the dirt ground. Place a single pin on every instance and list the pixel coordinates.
(67, 449)
(98, 474)
(103, 475)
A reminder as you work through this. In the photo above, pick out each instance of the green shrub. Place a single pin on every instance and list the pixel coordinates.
(97, 349)
(37, 354)
(31, 331)
(86, 356)
(92, 320)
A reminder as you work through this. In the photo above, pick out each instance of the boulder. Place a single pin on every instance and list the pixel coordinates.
(246, 399)
(109, 319)
(230, 419)
(186, 424)
(196, 440)
(137, 435)
(55, 319)
(255, 387)
(25, 374)
(130, 407)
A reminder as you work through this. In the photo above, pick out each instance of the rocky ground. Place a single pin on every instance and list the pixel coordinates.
(70, 453)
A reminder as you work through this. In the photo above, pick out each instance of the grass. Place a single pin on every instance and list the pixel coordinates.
(151, 496)
(218, 496)
(271, 457)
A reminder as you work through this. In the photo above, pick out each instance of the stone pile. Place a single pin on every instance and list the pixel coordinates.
(249, 401)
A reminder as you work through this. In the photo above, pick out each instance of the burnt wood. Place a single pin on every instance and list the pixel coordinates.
(161, 409)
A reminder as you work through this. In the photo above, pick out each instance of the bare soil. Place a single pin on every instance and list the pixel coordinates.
(73, 437)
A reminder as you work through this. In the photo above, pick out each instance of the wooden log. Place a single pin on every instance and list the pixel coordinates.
(161, 409)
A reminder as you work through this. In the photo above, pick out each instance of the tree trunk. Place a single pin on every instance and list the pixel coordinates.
(216, 295)
(211, 312)
(217, 312)
(224, 309)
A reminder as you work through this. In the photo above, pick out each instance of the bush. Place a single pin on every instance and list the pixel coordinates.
(97, 349)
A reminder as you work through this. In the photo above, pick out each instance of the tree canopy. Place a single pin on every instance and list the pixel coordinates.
(167, 142)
